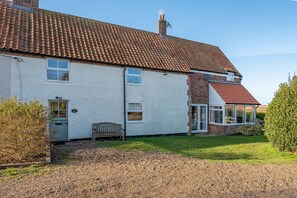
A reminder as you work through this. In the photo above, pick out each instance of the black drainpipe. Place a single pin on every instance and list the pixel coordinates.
(124, 83)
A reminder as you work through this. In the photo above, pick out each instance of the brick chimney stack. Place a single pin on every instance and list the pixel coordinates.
(162, 24)
(27, 3)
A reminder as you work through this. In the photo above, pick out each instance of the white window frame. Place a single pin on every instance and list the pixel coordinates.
(244, 113)
(214, 109)
(198, 130)
(127, 111)
(57, 69)
(136, 75)
(253, 113)
(230, 76)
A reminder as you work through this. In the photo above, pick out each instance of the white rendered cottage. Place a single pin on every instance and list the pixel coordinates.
(88, 71)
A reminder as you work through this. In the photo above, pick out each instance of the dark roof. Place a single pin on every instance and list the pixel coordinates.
(234, 93)
(48, 33)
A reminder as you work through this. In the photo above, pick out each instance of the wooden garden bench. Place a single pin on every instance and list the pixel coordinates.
(106, 129)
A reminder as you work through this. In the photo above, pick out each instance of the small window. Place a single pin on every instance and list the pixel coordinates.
(58, 109)
(230, 76)
(57, 70)
(134, 76)
(135, 112)
(216, 114)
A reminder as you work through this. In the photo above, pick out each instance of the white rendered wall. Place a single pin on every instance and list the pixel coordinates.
(214, 98)
(5, 77)
(97, 93)
(164, 98)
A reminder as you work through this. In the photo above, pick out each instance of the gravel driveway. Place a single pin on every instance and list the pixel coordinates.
(102, 172)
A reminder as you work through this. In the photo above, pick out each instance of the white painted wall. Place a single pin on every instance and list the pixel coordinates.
(164, 103)
(5, 77)
(214, 98)
(97, 93)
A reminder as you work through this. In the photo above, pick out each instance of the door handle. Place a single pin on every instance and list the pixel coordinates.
(58, 123)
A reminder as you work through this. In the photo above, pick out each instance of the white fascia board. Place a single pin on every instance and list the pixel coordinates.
(212, 73)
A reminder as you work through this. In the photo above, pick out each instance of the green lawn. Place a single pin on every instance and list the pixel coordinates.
(243, 149)
(10, 173)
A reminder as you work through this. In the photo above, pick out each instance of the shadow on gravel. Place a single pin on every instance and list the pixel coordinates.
(62, 153)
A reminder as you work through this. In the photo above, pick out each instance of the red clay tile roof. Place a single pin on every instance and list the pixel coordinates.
(234, 93)
(54, 34)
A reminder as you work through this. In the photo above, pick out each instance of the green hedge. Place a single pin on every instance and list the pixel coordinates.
(281, 117)
(22, 131)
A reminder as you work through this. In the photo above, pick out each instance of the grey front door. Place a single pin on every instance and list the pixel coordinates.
(59, 122)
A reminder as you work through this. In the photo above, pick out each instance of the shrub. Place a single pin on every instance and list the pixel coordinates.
(260, 115)
(251, 129)
(281, 117)
(22, 131)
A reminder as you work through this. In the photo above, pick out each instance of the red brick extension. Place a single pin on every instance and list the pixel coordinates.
(199, 94)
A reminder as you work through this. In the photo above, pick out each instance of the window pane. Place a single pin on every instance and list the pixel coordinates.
(134, 116)
(134, 71)
(135, 106)
(54, 105)
(230, 77)
(52, 63)
(216, 107)
(249, 114)
(239, 114)
(194, 118)
(63, 114)
(64, 75)
(229, 115)
(63, 105)
(52, 74)
(55, 114)
(134, 79)
(203, 114)
(216, 116)
(63, 64)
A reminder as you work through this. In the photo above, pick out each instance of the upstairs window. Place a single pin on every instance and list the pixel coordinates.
(57, 70)
(230, 76)
(135, 112)
(134, 76)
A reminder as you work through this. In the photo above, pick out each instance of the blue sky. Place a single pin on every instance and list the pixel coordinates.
(258, 36)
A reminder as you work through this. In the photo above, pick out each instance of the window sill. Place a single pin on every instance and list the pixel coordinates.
(58, 81)
(238, 124)
(132, 84)
(135, 122)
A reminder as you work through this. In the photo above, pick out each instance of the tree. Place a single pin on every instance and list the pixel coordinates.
(281, 117)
